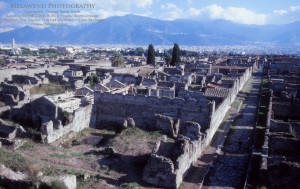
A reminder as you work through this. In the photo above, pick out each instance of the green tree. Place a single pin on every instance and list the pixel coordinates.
(2, 61)
(93, 79)
(175, 55)
(167, 56)
(117, 60)
(151, 55)
(167, 59)
(139, 51)
(26, 51)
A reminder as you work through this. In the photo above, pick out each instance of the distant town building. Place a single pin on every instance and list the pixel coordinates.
(13, 45)
(65, 50)
(14, 50)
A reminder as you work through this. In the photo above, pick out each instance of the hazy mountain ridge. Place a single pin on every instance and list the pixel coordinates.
(138, 30)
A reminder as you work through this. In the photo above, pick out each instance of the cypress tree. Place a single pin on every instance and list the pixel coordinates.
(175, 55)
(151, 55)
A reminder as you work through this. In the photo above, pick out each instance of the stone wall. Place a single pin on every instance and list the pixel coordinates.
(7, 73)
(24, 79)
(296, 130)
(284, 175)
(127, 78)
(276, 126)
(166, 176)
(56, 78)
(217, 117)
(68, 180)
(167, 124)
(115, 108)
(285, 108)
(14, 95)
(180, 86)
(168, 166)
(265, 147)
(11, 180)
(284, 145)
(219, 112)
(190, 94)
(81, 120)
(277, 87)
(280, 150)
(52, 120)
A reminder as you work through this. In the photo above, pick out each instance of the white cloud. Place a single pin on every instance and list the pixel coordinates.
(292, 14)
(280, 12)
(170, 12)
(143, 3)
(168, 6)
(294, 8)
(146, 14)
(194, 12)
(235, 14)
(4, 23)
(5, 29)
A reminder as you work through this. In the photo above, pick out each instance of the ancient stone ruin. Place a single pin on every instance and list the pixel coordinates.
(169, 162)
(186, 103)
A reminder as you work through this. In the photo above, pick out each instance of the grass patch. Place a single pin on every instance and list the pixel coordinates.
(129, 186)
(72, 172)
(48, 89)
(134, 140)
(156, 133)
(132, 131)
(56, 170)
(28, 145)
(60, 156)
(50, 170)
(194, 85)
(84, 132)
(76, 154)
(107, 131)
(12, 160)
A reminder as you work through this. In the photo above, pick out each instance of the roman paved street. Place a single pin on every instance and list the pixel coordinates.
(225, 162)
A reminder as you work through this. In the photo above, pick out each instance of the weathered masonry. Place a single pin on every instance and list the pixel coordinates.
(193, 122)
(116, 108)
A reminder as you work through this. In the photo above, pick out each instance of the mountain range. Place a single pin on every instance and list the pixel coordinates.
(139, 30)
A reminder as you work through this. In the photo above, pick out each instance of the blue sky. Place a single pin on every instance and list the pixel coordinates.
(241, 11)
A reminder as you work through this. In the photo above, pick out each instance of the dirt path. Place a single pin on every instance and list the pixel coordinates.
(215, 162)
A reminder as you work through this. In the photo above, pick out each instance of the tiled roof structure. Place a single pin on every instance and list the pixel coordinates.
(213, 85)
(217, 92)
